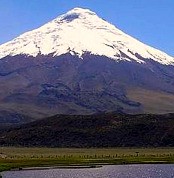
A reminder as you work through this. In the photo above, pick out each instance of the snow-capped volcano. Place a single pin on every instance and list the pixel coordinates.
(80, 31)
(80, 64)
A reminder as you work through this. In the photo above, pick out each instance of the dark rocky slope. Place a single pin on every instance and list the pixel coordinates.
(100, 130)
(44, 86)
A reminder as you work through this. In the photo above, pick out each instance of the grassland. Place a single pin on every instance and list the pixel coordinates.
(39, 157)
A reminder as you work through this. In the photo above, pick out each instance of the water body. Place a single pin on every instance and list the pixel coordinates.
(114, 171)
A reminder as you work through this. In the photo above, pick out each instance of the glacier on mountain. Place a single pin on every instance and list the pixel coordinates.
(81, 31)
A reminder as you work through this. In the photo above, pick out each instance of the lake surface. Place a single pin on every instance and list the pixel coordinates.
(114, 171)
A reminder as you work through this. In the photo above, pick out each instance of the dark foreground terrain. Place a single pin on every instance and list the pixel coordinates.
(100, 130)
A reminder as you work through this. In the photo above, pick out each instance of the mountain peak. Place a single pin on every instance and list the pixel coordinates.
(81, 11)
(75, 14)
(80, 31)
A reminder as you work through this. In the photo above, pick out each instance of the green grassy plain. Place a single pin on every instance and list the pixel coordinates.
(40, 157)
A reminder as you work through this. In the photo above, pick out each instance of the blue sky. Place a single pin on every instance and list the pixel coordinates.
(150, 21)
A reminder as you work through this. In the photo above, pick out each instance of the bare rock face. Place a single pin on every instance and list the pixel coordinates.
(81, 64)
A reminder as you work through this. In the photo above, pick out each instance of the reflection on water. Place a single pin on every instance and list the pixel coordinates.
(114, 171)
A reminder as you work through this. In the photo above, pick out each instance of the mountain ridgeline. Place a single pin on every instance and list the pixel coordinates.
(99, 130)
(79, 64)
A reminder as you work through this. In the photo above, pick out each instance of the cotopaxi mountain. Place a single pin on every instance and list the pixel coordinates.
(80, 64)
